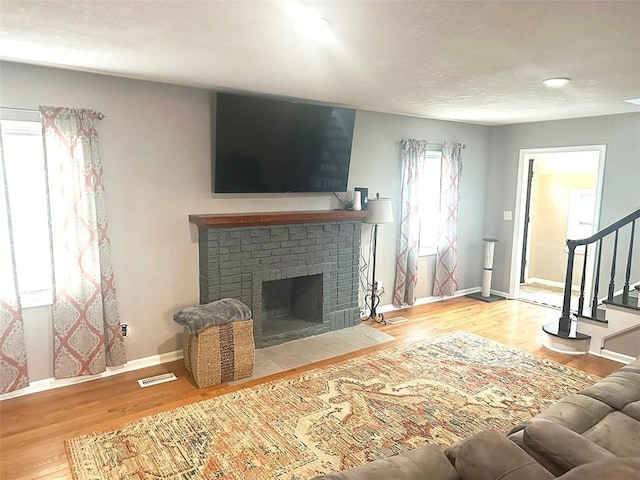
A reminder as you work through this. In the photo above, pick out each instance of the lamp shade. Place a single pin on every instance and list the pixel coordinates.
(379, 211)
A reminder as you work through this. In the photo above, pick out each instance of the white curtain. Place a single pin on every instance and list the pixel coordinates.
(446, 275)
(13, 356)
(87, 334)
(413, 154)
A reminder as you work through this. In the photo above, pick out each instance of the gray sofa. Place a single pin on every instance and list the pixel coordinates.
(594, 434)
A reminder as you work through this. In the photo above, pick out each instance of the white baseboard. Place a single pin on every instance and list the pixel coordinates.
(500, 294)
(544, 281)
(51, 383)
(425, 300)
(550, 283)
(615, 356)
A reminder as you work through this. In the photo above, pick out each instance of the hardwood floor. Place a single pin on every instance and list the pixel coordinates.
(33, 428)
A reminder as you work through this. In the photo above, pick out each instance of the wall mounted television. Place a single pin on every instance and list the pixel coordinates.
(263, 145)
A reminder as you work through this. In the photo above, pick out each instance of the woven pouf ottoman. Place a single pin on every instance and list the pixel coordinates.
(218, 341)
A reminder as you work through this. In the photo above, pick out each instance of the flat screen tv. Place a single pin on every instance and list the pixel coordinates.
(264, 145)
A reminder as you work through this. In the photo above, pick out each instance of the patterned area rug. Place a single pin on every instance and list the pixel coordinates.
(432, 391)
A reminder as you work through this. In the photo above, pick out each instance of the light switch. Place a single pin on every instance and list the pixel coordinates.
(507, 215)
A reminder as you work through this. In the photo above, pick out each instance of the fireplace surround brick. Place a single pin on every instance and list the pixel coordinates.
(236, 260)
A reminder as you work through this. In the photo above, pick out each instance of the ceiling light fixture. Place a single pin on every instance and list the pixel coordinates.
(315, 27)
(308, 24)
(635, 101)
(556, 82)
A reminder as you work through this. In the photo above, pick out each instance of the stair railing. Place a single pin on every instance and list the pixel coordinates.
(564, 326)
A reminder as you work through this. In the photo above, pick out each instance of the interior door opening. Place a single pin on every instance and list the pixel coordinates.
(559, 192)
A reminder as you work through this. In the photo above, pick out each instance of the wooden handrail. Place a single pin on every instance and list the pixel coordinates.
(607, 230)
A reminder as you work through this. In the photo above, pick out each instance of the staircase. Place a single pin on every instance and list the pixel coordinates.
(607, 325)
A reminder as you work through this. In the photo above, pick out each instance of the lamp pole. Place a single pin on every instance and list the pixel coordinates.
(375, 299)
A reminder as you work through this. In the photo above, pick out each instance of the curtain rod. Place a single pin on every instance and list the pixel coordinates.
(464, 145)
(99, 115)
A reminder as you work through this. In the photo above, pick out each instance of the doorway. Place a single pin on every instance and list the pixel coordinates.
(558, 197)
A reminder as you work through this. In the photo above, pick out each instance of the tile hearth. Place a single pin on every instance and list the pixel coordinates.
(304, 351)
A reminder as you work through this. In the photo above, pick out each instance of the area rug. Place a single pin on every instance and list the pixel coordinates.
(438, 391)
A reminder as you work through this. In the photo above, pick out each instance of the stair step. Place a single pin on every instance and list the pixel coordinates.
(600, 317)
(553, 329)
(617, 301)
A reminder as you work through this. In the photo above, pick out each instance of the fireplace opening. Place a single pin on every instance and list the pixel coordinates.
(291, 308)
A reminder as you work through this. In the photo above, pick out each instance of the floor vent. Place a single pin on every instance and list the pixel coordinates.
(397, 320)
(149, 381)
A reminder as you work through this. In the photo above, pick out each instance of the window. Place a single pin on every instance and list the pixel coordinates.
(581, 217)
(430, 204)
(582, 208)
(25, 174)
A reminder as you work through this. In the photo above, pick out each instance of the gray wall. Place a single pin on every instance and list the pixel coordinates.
(621, 193)
(156, 154)
(627, 343)
(377, 166)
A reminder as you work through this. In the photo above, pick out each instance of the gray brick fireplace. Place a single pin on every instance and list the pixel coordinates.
(297, 271)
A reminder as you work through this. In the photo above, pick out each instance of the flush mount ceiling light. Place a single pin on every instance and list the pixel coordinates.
(635, 101)
(308, 24)
(556, 82)
(315, 27)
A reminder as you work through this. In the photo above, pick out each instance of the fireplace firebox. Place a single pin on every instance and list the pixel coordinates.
(291, 307)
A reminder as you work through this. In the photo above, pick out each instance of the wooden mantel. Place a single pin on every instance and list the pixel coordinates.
(276, 218)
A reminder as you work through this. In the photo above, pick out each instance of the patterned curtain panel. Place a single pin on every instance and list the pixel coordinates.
(87, 334)
(413, 155)
(13, 355)
(445, 281)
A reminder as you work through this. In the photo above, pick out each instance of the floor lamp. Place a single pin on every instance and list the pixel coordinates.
(379, 212)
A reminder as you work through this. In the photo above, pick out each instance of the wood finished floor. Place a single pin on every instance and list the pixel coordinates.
(33, 428)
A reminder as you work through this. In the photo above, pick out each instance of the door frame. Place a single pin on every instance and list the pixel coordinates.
(526, 222)
(521, 194)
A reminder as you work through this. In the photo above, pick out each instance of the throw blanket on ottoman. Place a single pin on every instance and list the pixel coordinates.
(196, 319)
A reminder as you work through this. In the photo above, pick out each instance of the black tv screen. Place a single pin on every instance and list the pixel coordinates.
(264, 145)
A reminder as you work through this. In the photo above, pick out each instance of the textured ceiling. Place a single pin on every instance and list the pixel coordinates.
(480, 62)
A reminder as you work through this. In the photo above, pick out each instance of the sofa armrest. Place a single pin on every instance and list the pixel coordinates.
(424, 463)
(491, 456)
(555, 445)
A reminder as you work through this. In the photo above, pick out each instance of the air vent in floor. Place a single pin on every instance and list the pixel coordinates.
(397, 320)
(149, 381)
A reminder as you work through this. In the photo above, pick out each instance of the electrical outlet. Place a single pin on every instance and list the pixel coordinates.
(123, 329)
(377, 285)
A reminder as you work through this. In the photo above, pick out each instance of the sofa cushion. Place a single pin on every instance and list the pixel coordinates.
(491, 456)
(617, 390)
(632, 367)
(618, 433)
(422, 463)
(560, 449)
(616, 469)
(576, 412)
(632, 410)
